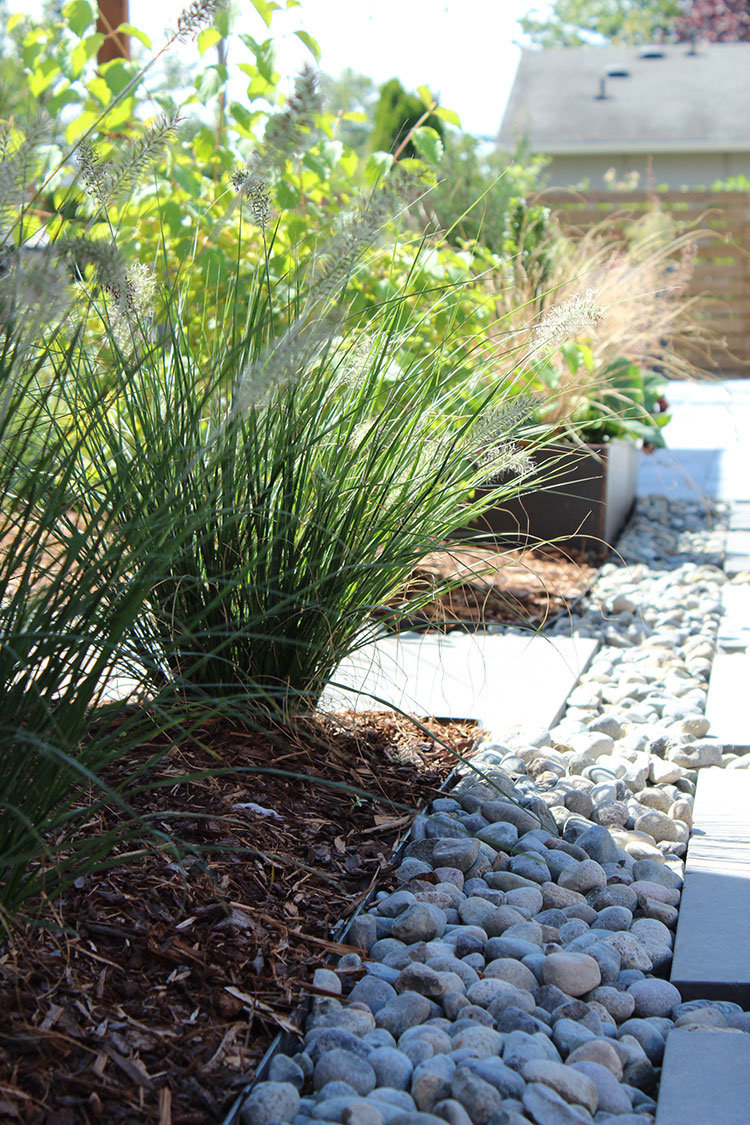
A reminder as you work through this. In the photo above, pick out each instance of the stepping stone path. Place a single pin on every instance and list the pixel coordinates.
(452, 676)
(712, 956)
(705, 1079)
(519, 972)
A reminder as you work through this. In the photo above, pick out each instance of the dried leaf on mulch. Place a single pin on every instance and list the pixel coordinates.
(164, 982)
(528, 587)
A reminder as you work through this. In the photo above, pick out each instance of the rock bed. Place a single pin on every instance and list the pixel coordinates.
(517, 977)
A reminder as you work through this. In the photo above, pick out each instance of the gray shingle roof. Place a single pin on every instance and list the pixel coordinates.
(680, 102)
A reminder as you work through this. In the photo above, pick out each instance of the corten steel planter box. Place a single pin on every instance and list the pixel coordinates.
(583, 508)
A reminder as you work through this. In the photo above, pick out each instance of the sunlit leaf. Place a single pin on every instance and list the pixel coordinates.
(208, 38)
(448, 115)
(428, 144)
(311, 44)
(84, 52)
(425, 95)
(136, 33)
(265, 9)
(79, 15)
(378, 166)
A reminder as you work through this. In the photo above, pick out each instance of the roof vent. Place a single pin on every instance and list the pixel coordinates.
(652, 53)
(618, 71)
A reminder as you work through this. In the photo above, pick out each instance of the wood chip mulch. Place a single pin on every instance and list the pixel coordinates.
(513, 587)
(162, 983)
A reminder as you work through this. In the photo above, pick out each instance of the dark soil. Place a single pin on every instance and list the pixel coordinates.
(165, 981)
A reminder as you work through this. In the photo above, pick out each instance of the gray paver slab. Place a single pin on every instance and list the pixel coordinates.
(738, 543)
(711, 955)
(705, 1079)
(680, 474)
(739, 517)
(502, 680)
(734, 626)
(722, 807)
(727, 702)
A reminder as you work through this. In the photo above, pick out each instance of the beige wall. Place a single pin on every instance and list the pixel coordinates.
(675, 169)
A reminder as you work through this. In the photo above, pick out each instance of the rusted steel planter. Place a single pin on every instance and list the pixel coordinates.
(582, 500)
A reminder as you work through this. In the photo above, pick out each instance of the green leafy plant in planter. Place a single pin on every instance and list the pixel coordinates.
(620, 401)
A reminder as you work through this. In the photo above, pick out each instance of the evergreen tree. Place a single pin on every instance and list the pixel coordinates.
(396, 114)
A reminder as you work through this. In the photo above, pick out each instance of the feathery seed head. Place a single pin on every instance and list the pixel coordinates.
(35, 290)
(570, 319)
(290, 132)
(254, 188)
(193, 19)
(108, 180)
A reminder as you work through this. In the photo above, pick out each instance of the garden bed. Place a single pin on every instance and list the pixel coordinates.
(522, 587)
(159, 985)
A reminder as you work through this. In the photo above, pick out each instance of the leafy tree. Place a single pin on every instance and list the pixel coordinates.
(396, 114)
(718, 21)
(575, 23)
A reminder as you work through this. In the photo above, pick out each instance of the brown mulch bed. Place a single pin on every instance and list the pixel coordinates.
(165, 982)
(514, 587)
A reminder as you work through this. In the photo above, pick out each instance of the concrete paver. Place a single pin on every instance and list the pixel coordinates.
(734, 626)
(708, 442)
(739, 517)
(737, 552)
(711, 956)
(502, 680)
(727, 701)
(705, 1079)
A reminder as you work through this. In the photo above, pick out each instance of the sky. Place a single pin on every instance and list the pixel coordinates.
(464, 50)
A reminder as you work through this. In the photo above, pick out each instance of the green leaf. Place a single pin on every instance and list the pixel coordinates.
(136, 33)
(14, 20)
(79, 15)
(187, 180)
(426, 97)
(355, 115)
(80, 125)
(84, 52)
(265, 9)
(448, 115)
(428, 144)
(118, 73)
(331, 151)
(43, 76)
(208, 38)
(287, 195)
(378, 166)
(265, 56)
(121, 114)
(204, 145)
(259, 87)
(312, 44)
(210, 82)
(100, 89)
(243, 118)
(63, 97)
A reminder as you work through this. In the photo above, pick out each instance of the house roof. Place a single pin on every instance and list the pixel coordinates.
(678, 101)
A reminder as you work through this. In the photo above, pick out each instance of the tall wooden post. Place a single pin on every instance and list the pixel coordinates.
(111, 14)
